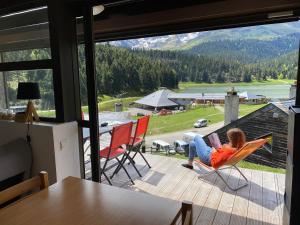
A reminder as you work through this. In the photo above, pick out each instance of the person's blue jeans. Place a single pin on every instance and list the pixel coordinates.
(199, 148)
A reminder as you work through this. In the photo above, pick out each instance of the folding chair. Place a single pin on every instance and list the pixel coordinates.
(241, 154)
(120, 136)
(135, 144)
(139, 137)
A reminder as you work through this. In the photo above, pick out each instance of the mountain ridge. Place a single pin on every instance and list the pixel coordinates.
(258, 42)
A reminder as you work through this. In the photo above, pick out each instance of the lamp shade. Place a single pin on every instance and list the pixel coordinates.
(28, 90)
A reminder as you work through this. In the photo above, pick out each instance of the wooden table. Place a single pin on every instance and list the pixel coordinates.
(103, 130)
(80, 202)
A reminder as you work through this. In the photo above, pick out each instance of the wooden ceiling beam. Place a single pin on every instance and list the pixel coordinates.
(10, 6)
(213, 15)
(24, 19)
(216, 11)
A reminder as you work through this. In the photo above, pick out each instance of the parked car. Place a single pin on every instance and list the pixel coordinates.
(181, 147)
(165, 112)
(200, 123)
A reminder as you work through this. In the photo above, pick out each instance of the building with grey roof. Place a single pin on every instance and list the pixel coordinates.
(164, 98)
(157, 99)
(253, 98)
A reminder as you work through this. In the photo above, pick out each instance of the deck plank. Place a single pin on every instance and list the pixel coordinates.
(227, 201)
(240, 208)
(280, 180)
(151, 181)
(209, 210)
(254, 216)
(270, 203)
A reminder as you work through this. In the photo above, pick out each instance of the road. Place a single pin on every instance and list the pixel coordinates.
(171, 137)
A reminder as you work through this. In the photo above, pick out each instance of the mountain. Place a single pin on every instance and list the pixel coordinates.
(189, 40)
(249, 50)
(162, 42)
(246, 44)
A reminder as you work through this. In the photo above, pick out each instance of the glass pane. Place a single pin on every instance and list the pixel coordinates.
(45, 106)
(24, 36)
(84, 99)
(26, 55)
(83, 82)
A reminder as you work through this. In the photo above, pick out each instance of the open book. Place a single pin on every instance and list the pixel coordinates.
(214, 140)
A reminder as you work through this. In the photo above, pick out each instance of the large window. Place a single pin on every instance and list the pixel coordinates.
(45, 105)
(25, 56)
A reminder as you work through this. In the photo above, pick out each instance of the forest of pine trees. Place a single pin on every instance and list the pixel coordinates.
(121, 70)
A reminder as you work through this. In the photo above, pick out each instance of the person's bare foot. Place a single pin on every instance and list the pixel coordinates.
(186, 165)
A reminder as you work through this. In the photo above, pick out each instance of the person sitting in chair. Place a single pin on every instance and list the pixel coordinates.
(211, 156)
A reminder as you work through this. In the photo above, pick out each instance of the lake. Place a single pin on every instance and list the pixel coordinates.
(270, 91)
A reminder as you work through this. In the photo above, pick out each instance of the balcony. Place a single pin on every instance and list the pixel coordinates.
(261, 202)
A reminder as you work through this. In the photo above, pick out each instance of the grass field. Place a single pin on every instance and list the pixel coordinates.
(183, 120)
(110, 104)
(184, 85)
(107, 103)
(246, 109)
(46, 113)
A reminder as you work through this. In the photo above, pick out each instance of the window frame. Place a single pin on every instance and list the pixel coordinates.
(31, 65)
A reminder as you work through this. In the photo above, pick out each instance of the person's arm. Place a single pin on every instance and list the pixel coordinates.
(224, 146)
(213, 149)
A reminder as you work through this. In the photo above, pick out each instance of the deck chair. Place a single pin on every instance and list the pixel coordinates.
(241, 154)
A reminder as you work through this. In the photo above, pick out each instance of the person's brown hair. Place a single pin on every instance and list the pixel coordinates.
(236, 137)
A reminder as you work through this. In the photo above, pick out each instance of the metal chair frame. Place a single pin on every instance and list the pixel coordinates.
(217, 171)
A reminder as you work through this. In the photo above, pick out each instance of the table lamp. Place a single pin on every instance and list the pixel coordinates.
(29, 91)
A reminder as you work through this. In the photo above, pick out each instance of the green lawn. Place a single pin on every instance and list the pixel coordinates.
(246, 109)
(183, 120)
(46, 113)
(110, 104)
(107, 103)
(253, 166)
(184, 85)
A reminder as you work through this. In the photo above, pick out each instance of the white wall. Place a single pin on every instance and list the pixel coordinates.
(66, 150)
(55, 146)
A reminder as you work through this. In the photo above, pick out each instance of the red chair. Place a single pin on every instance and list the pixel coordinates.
(120, 136)
(139, 137)
(135, 144)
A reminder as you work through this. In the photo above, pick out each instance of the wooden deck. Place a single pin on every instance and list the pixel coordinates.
(260, 203)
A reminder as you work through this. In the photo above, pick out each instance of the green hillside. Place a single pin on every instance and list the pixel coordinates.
(248, 50)
(258, 33)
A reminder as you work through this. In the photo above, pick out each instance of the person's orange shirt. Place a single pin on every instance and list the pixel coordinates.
(218, 157)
